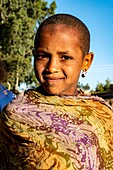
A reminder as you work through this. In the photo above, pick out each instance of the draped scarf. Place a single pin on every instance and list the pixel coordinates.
(39, 132)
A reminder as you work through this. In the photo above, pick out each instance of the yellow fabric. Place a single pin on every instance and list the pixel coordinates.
(56, 133)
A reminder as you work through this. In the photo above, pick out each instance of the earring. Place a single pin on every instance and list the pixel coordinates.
(83, 74)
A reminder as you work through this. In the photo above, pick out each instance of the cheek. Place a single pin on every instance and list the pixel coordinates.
(74, 69)
(37, 67)
(37, 70)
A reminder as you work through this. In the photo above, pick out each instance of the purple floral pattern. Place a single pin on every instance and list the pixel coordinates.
(57, 133)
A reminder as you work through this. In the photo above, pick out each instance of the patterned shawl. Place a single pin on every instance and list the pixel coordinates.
(40, 132)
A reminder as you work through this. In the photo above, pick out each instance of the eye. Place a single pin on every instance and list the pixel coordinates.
(41, 56)
(66, 57)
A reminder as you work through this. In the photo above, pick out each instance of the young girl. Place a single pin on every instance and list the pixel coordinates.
(55, 127)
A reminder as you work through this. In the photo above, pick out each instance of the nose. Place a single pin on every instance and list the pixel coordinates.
(53, 65)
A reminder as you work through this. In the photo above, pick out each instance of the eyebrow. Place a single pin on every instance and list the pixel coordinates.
(59, 52)
(41, 50)
(63, 52)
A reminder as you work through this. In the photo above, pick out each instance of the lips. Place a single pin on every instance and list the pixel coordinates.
(53, 79)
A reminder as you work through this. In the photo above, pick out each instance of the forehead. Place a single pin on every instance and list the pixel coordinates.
(60, 38)
(59, 27)
(58, 30)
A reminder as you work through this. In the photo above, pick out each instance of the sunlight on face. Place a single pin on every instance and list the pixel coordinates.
(58, 60)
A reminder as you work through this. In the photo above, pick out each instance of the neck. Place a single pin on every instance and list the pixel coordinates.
(42, 91)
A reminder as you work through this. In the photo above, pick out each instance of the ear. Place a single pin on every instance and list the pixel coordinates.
(34, 52)
(87, 61)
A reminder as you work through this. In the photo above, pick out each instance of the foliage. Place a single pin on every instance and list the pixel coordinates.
(103, 88)
(17, 30)
(83, 87)
(100, 87)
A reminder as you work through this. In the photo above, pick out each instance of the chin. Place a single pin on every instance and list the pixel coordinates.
(53, 91)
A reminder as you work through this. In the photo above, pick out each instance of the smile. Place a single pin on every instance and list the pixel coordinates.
(53, 79)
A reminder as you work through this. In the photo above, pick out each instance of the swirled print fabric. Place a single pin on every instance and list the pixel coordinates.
(40, 132)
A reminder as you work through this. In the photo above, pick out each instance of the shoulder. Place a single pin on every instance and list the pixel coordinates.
(94, 100)
(21, 100)
(101, 101)
(31, 99)
(97, 103)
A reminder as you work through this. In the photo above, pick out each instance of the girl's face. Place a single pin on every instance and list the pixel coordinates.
(58, 60)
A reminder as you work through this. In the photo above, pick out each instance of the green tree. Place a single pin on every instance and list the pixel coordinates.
(103, 88)
(99, 88)
(111, 88)
(17, 30)
(84, 87)
(107, 85)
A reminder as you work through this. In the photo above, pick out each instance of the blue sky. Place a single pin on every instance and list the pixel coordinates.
(97, 15)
